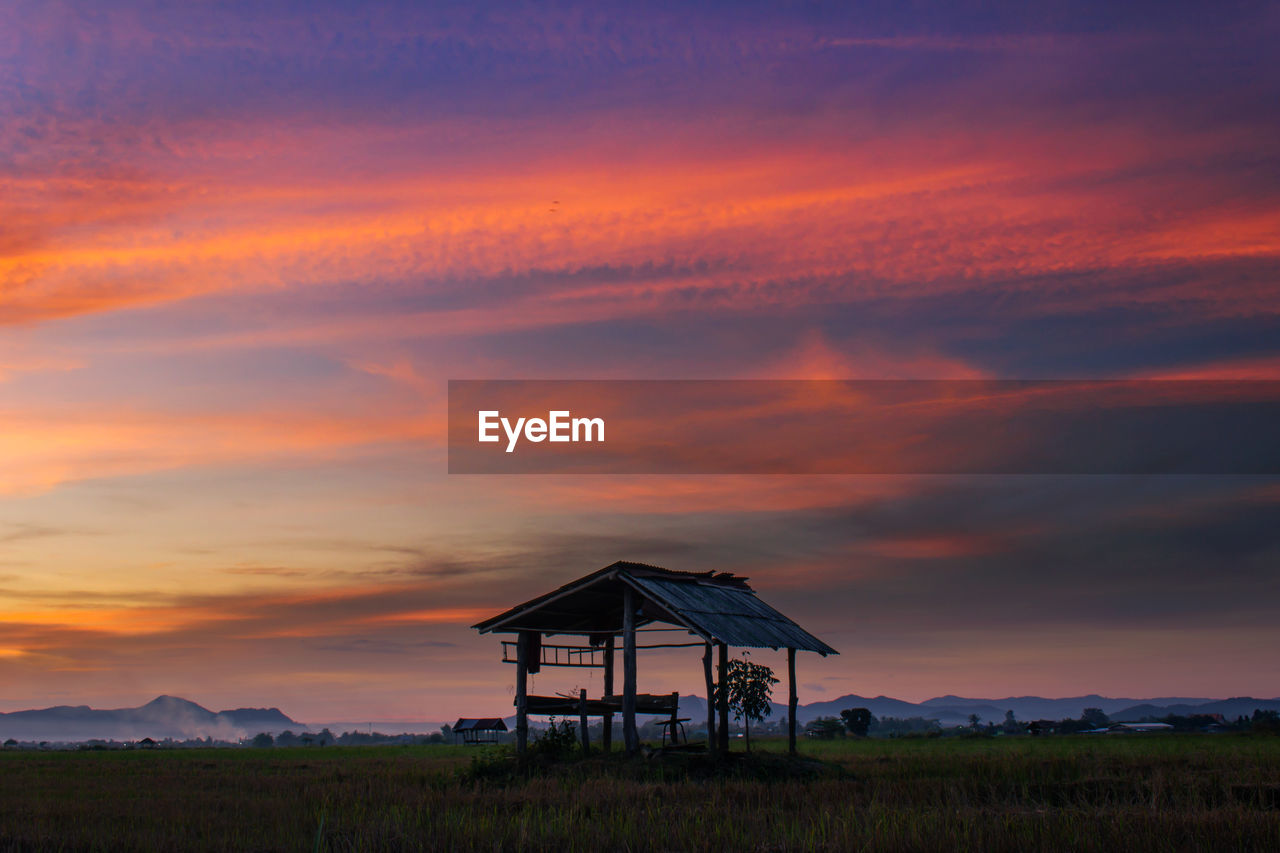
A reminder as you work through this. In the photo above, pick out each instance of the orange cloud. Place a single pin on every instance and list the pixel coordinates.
(772, 226)
(677, 494)
(41, 449)
(816, 358)
(939, 547)
(121, 621)
(454, 615)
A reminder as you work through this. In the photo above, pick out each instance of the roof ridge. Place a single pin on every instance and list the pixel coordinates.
(714, 605)
(715, 577)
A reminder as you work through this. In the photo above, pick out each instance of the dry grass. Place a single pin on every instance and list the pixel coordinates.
(1076, 793)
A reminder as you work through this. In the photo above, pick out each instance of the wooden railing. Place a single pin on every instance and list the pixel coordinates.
(560, 655)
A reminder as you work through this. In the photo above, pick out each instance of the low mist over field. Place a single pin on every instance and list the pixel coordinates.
(162, 717)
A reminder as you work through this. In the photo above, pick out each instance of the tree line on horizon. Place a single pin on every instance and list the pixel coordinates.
(860, 722)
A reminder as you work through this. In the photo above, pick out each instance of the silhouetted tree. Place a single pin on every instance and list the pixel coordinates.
(1265, 722)
(1188, 723)
(895, 727)
(749, 687)
(1095, 718)
(262, 740)
(857, 721)
(825, 728)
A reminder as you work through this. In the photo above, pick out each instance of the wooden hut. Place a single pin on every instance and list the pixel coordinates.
(716, 609)
(476, 730)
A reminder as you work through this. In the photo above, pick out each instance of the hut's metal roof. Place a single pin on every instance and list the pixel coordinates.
(734, 616)
(717, 606)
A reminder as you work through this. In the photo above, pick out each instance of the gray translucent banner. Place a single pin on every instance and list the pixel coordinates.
(864, 427)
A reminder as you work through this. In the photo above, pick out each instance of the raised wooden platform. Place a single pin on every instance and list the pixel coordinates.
(660, 704)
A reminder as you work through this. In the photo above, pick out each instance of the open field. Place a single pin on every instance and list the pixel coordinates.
(1163, 792)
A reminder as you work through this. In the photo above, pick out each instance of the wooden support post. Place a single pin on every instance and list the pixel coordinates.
(608, 691)
(673, 723)
(711, 699)
(522, 693)
(791, 701)
(629, 734)
(582, 721)
(723, 703)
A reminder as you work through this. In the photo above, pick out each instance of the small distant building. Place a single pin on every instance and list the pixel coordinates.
(1134, 728)
(478, 730)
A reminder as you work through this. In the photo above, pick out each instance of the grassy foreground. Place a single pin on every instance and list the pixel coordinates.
(1078, 793)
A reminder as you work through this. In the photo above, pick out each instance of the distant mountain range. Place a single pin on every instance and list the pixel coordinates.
(162, 717)
(180, 719)
(953, 710)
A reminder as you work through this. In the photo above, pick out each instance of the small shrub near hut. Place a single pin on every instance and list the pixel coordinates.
(560, 740)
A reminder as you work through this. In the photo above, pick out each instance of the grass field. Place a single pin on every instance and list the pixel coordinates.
(1163, 792)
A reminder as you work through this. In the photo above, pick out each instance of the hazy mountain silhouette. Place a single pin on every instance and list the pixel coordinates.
(1240, 706)
(162, 717)
(954, 710)
(181, 719)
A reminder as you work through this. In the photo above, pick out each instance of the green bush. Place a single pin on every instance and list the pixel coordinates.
(560, 740)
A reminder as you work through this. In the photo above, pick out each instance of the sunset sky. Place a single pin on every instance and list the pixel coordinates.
(244, 247)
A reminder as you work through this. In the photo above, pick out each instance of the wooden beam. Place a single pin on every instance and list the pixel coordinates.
(669, 646)
(711, 699)
(791, 701)
(675, 715)
(629, 734)
(533, 660)
(522, 694)
(497, 622)
(667, 616)
(608, 691)
(723, 704)
(582, 721)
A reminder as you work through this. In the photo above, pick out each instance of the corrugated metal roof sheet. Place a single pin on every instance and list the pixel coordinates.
(732, 615)
(717, 605)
